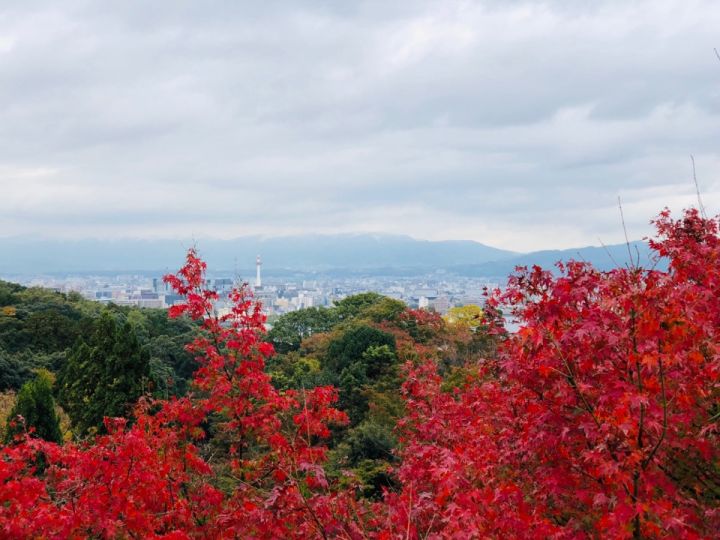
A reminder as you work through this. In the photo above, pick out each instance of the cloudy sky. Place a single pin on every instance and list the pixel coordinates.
(517, 124)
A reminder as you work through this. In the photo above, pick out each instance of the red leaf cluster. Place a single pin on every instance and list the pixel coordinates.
(600, 416)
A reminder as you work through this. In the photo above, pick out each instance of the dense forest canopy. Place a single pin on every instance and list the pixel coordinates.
(39, 327)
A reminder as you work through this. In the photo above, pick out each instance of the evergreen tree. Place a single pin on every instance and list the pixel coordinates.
(36, 405)
(104, 376)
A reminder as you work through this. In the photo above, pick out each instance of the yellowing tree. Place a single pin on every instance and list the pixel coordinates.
(469, 316)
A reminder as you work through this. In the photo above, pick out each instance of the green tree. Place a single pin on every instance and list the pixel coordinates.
(36, 406)
(139, 323)
(294, 371)
(170, 362)
(356, 360)
(469, 329)
(13, 372)
(104, 376)
(350, 346)
(9, 293)
(352, 306)
(161, 379)
(368, 449)
(384, 310)
(352, 386)
(290, 329)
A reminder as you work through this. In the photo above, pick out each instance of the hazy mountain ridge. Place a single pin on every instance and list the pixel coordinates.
(357, 252)
(602, 258)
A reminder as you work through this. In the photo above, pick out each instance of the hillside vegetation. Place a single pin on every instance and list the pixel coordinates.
(598, 418)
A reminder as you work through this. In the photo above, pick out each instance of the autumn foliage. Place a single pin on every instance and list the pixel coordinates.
(598, 418)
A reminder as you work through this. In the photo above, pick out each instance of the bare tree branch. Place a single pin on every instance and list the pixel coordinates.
(697, 187)
(608, 253)
(627, 241)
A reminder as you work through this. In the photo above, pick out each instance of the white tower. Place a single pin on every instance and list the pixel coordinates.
(258, 280)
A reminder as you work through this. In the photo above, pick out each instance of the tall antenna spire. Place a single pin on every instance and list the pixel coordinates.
(258, 279)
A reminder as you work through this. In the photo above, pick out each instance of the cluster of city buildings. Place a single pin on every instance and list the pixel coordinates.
(437, 291)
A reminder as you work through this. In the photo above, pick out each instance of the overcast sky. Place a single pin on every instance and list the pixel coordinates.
(515, 124)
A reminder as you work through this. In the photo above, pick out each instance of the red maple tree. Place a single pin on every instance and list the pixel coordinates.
(599, 417)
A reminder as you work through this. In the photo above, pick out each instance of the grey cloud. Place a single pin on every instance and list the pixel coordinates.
(451, 120)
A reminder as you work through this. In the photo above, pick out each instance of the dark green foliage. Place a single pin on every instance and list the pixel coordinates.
(361, 361)
(368, 451)
(172, 365)
(38, 327)
(13, 372)
(295, 371)
(383, 310)
(103, 376)
(351, 349)
(161, 377)
(51, 329)
(352, 344)
(42, 320)
(370, 440)
(375, 369)
(36, 406)
(352, 306)
(351, 385)
(9, 293)
(379, 360)
(289, 330)
(375, 476)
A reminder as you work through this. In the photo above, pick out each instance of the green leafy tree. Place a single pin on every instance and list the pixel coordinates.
(357, 359)
(104, 376)
(34, 410)
(139, 323)
(13, 372)
(369, 451)
(292, 371)
(383, 310)
(9, 293)
(469, 329)
(352, 385)
(162, 379)
(352, 306)
(350, 346)
(379, 360)
(290, 329)
(171, 363)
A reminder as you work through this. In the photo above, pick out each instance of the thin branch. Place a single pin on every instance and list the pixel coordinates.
(313, 515)
(665, 423)
(627, 241)
(608, 253)
(307, 415)
(716, 53)
(697, 187)
(409, 523)
(573, 382)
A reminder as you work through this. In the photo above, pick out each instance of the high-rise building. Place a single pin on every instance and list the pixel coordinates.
(258, 279)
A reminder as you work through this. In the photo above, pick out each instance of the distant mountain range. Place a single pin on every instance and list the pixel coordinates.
(602, 258)
(347, 253)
